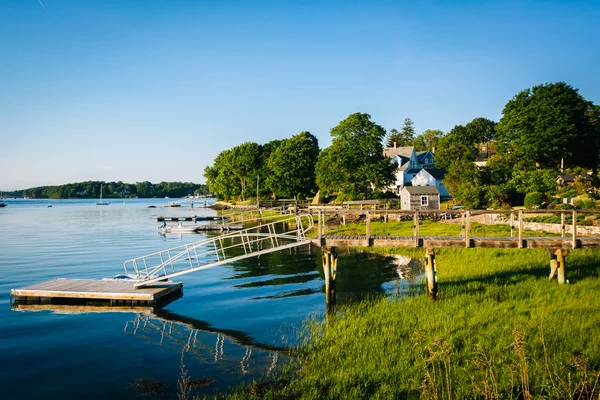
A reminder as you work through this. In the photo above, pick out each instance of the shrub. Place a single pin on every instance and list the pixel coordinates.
(585, 204)
(534, 200)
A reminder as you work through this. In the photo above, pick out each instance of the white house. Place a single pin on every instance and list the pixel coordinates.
(431, 177)
(410, 163)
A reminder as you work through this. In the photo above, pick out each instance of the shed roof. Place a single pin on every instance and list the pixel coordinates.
(419, 190)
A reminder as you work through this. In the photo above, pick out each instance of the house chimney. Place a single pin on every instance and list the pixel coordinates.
(433, 149)
(394, 144)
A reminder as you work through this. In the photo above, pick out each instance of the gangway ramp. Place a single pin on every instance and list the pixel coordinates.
(226, 248)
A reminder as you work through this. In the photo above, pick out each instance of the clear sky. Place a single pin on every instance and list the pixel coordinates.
(137, 90)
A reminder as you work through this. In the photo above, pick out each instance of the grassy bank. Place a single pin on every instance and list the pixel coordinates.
(428, 228)
(499, 329)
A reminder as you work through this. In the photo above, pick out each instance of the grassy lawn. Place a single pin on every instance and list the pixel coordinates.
(427, 228)
(499, 330)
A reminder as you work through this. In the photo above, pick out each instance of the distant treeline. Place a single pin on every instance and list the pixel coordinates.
(91, 189)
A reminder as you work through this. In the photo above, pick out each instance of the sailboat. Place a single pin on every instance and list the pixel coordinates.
(102, 203)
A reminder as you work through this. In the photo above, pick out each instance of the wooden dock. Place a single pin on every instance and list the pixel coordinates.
(90, 291)
(190, 218)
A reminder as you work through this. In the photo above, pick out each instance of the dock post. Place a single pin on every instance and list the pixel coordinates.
(512, 224)
(329, 261)
(468, 229)
(557, 265)
(319, 228)
(416, 227)
(574, 244)
(520, 229)
(368, 228)
(562, 224)
(430, 273)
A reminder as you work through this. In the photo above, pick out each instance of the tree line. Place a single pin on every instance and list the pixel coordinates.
(91, 189)
(543, 131)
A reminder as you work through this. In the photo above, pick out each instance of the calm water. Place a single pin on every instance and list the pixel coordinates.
(230, 325)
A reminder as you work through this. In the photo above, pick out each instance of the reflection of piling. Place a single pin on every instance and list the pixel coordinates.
(329, 269)
(431, 284)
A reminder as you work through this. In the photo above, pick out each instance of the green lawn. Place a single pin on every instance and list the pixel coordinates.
(499, 330)
(427, 228)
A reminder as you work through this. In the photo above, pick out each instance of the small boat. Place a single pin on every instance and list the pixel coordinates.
(173, 205)
(102, 203)
(2, 204)
(178, 228)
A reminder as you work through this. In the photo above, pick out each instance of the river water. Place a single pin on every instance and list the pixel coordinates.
(230, 326)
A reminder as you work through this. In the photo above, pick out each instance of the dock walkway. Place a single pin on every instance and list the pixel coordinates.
(111, 292)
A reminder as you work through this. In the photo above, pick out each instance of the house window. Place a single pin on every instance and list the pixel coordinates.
(424, 200)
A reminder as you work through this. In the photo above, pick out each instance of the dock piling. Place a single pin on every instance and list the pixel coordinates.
(431, 285)
(329, 261)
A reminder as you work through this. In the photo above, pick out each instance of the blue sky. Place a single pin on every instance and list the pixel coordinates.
(154, 90)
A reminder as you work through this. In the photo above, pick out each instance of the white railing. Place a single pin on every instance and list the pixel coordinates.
(192, 257)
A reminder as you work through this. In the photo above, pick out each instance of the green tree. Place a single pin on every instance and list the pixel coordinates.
(465, 183)
(245, 164)
(293, 166)
(220, 178)
(265, 172)
(427, 140)
(403, 138)
(551, 125)
(354, 164)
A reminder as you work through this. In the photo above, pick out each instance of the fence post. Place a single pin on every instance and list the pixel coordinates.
(468, 230)
(512, 224)
(368, 228)
(574, 244)
(416, 227)
(520, 229)
(562, 224)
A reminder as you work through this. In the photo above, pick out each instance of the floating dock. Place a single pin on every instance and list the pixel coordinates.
(190, 218)
(110, 292)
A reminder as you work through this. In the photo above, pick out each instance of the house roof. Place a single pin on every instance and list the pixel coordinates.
(404, 166)
(418, 190)
(392, 152)
(572, 178)
(422, 154)
(436, 173)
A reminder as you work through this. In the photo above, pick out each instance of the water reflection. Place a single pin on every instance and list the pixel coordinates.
(230, 351)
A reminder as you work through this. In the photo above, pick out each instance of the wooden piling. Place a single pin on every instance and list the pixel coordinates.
(329, 261)
(319, 228)
(560, 261)
(431, 284)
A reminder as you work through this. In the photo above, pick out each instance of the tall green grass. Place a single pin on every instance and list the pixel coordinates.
(499, 330)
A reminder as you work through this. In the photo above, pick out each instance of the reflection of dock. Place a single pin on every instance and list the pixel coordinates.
(112, 292)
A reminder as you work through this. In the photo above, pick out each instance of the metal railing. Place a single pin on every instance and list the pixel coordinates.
(192, 257)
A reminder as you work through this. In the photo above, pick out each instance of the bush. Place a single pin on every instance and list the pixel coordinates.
(534, 200)
(585, 204)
